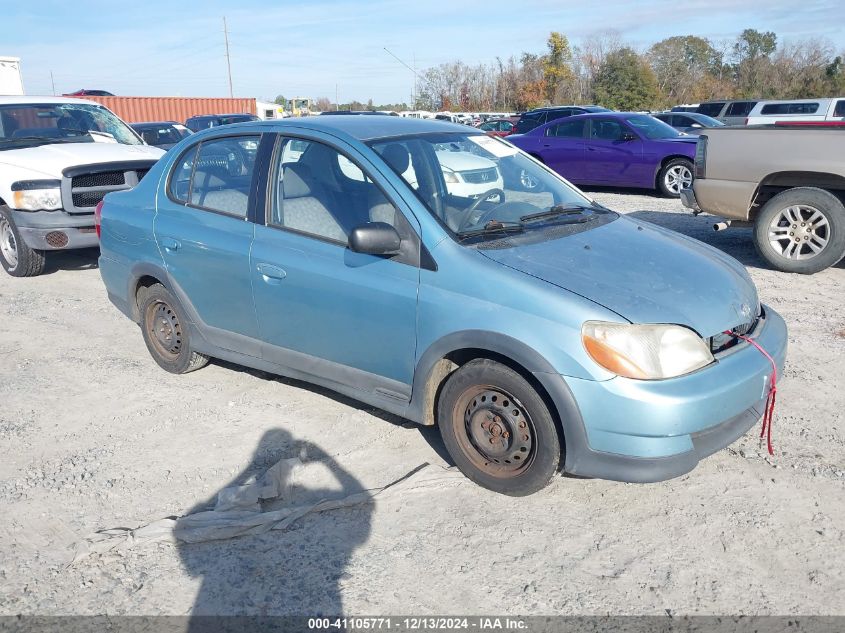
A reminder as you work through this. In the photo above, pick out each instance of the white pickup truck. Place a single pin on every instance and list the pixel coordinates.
(58, 158)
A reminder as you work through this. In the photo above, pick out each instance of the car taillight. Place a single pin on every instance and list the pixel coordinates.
(701, 156)
(98, 217)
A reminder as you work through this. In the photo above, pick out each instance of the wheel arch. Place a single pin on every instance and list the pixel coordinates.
(663, 164)
(781, 181)
(449, 353)
(143, 275)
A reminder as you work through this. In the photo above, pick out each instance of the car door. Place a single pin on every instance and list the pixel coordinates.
(613, 153)
(204, 235)
(562, 148)
(344, 317)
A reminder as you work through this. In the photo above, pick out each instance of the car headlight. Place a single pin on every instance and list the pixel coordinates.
(450, 176)
(645, 352)
(37, 195)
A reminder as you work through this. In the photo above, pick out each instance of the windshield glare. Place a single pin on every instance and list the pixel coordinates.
(472, 181)
(652, 128)
(32, 124)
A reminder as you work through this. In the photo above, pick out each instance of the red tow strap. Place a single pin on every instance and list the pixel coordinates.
(773, 390)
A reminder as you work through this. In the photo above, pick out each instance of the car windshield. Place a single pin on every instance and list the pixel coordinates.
(480, 187)
(159, 134)
(27, 125)
(652, 128)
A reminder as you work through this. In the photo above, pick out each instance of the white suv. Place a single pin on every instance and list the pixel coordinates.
(58, 158)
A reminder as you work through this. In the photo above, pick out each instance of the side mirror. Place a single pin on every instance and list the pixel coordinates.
(375, 238)
(696, 125)
(629, 136)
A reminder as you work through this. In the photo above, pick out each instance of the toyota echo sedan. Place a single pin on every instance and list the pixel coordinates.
(537, 329)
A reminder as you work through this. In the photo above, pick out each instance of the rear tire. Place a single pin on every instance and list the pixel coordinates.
(16, 257)
(674, 176)
(165, 331)
(801, 230)
(498, 429)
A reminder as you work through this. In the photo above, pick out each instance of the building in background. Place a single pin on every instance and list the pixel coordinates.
(11, 82)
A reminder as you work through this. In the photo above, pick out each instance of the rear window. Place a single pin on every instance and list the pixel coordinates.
(711, 109)
(790, 108)
(739, 108)
(840, 108)
(569, 129)
(529, 121)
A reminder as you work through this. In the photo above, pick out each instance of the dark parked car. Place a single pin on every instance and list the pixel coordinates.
(689, 122)
(377, 112)
(533, 118)
(499, 127)
(197, 123)
(618, 149)
(89, 93)
(163, 134)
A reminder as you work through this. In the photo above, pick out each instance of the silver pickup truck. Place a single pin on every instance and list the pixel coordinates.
(788, 182)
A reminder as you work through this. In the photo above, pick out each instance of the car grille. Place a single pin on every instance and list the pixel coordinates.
(480, 176)
(723, 342)
(85, 186)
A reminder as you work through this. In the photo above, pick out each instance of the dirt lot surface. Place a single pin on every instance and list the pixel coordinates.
(94, 435)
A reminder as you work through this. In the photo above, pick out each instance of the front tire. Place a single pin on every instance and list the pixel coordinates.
(165, 331)
(498, 429)
(674, 176)
(801, 230)
(16, 257)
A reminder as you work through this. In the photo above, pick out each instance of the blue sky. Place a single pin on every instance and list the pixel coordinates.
(305, 48)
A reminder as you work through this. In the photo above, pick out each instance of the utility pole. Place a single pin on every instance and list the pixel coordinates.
(414, 93)
(228, 62)
(336, 102)
(52, 81)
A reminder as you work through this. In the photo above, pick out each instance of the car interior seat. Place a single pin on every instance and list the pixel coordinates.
(300, 208)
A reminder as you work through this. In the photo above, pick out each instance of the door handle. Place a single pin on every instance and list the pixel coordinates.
(271, 272)
(170, 244)
(546, 145)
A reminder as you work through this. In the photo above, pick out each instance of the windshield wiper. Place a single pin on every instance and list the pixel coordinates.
(493, 227)
(559, 210)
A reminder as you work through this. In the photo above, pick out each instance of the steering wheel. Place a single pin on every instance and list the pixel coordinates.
(471, 209)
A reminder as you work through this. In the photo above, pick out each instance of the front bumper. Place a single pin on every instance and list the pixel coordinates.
(643, 431)
(56, 230)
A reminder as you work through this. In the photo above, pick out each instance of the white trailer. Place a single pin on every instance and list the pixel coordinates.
(10, 76)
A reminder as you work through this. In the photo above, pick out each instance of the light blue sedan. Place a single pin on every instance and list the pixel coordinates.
(406, 263)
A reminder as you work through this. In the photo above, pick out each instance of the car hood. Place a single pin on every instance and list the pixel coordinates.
(644, 273)
(49, 160)
(463, 161)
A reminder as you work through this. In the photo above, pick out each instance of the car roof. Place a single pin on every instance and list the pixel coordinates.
(35, 100)
(365, 128)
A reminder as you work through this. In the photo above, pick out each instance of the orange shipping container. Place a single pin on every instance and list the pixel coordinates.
(179, 109)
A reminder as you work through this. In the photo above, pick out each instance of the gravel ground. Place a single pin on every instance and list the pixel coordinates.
(94, 435)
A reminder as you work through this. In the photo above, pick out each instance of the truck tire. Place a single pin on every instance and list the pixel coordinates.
(801, 230)
(165, 331)
(498, 429)
(674, 176)
(16, 257)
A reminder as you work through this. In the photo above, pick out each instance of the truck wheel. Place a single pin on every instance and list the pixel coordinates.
(801, 230)
(498, 429)
(163, 325)
(18, 259)
(675, 175)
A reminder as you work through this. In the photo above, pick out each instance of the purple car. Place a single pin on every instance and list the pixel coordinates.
(618, 149)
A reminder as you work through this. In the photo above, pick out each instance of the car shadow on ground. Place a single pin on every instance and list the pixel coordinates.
(429, 433)
(74, 259)
(298, 571)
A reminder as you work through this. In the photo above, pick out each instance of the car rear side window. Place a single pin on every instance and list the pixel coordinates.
(790, 108)
(180, 176)
(220, 171)
(570, 129)
(839, 110)
(739, 108)
(711, 109)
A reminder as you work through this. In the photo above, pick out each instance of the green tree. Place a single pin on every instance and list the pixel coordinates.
(752, 63)
(280, 100)
(557, 67)
(625, 81)
(685, 66)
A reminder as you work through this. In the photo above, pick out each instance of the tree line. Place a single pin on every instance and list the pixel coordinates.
(606, 71)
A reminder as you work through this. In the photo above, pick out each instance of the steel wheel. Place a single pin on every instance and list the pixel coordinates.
(8, 244)
(799, 232)
(164, 329)
(498, 436)
(677, 177)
